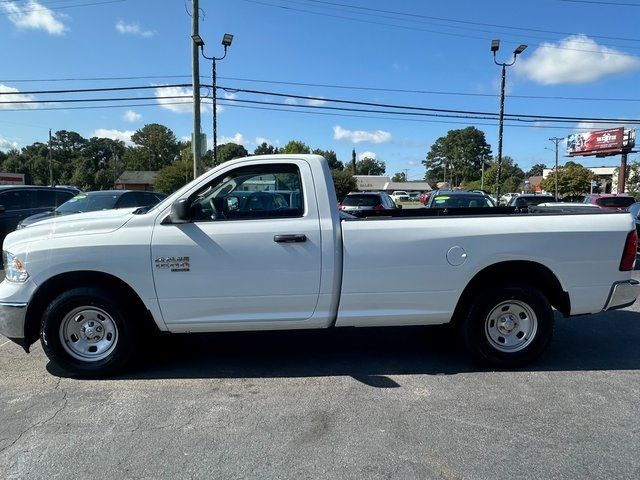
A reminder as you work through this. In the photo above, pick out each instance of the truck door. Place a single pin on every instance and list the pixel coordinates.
(249, 255)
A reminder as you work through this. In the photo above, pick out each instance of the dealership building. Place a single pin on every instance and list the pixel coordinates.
(382, 183)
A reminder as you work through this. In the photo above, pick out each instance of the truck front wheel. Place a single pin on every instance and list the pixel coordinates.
(84, 332)
(508, 325)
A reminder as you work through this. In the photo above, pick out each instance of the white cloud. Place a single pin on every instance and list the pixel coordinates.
(261, 140)
(124, 135)
(358, 136)
(597, 126)
(35, 16)
(229, 95)
(237, 138)
(133, 28)
(316, 102)
(14, 95)
(7, 144)
(367, 154)
(131, 116)
(290, 101)
(179, 105)
(575, 59)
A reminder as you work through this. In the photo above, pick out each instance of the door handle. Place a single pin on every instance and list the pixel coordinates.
(297, 238)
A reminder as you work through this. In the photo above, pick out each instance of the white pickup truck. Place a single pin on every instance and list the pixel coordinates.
(258, 244)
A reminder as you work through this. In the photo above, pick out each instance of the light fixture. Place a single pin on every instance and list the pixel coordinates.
(521, 48)
(197, 39)
(227, 39)
(495, 45)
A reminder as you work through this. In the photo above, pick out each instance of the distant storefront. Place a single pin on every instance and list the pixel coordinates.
(11, 178)
(382, 183)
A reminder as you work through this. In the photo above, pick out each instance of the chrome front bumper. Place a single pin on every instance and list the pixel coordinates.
(12, 318)
(622, 294)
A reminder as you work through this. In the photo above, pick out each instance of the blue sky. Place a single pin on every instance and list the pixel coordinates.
(577, 48)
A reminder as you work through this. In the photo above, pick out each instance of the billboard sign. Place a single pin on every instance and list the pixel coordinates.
(11, 178)
(593, 143)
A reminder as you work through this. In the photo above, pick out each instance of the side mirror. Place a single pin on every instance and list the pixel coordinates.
(181, 211)
(233, 203)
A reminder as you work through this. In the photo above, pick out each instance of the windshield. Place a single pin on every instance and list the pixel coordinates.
(461, 201)
(88, 203)
(361, 201)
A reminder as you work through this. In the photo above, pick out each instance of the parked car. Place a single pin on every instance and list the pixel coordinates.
(98, 200)
(610, 201)
(18, 202)
(93, 286)
(459, 199)
(414, 196)
(359, 201)
(524, 201)
(400, 196)
(424, 197)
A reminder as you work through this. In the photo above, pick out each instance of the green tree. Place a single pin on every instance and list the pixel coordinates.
(511, 176)
(344, 182)
(399, 177)
(536, 170)
(573, 179)
(174, 176)
(460, 152)
(332, 158)
(157, 144)
(354, 168)
(229, 151)
(265, 149)
(370, 166)
(296, 146)
(104, 180)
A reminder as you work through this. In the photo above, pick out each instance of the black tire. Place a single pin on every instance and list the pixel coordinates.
(118, 349)
(482, 336)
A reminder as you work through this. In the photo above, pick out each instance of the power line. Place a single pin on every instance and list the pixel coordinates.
(411, 109)
(406, 27)
(309, 84)
(21, 11)
(103, 89)
(625, 4)
(465, 22)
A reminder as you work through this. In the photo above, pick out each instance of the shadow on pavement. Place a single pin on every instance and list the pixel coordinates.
(607, 341)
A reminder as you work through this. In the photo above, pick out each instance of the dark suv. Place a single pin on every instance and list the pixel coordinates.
(367, 201)
(21, 201)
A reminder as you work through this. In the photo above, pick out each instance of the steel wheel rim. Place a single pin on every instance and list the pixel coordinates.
(88, 334)
(511, 326)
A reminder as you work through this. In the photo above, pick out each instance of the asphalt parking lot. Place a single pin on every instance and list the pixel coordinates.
(365, 404)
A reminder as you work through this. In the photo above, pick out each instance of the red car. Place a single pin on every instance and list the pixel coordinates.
(610, 201)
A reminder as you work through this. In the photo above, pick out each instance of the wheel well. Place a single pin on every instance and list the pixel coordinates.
(530, 273)
(66, 281)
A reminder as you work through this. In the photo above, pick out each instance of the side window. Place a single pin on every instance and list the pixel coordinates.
(63, 196)
(127, 200)
(251, 193)
(17, 199)
(144, 199)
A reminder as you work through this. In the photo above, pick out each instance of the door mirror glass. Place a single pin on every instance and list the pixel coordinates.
(181, 211)
(233, 203)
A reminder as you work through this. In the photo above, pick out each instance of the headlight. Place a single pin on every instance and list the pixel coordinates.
(14, 270)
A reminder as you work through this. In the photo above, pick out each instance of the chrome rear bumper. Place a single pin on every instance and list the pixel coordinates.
(622, 294)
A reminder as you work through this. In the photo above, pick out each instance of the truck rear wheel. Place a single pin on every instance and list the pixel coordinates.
(84, 332)
(508, 325)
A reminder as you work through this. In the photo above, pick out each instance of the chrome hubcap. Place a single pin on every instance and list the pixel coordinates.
(511, 326)
(88, 333)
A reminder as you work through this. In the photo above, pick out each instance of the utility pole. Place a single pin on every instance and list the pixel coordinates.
(195, 63)
(50, 162)
(556, 141)
(353, 161)
(622, 173)
(406, 174)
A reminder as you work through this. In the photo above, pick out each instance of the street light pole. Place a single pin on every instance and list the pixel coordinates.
(495, 46)
(227, 39)
(195, 67)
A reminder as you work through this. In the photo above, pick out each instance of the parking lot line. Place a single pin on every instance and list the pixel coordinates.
(8, 341)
